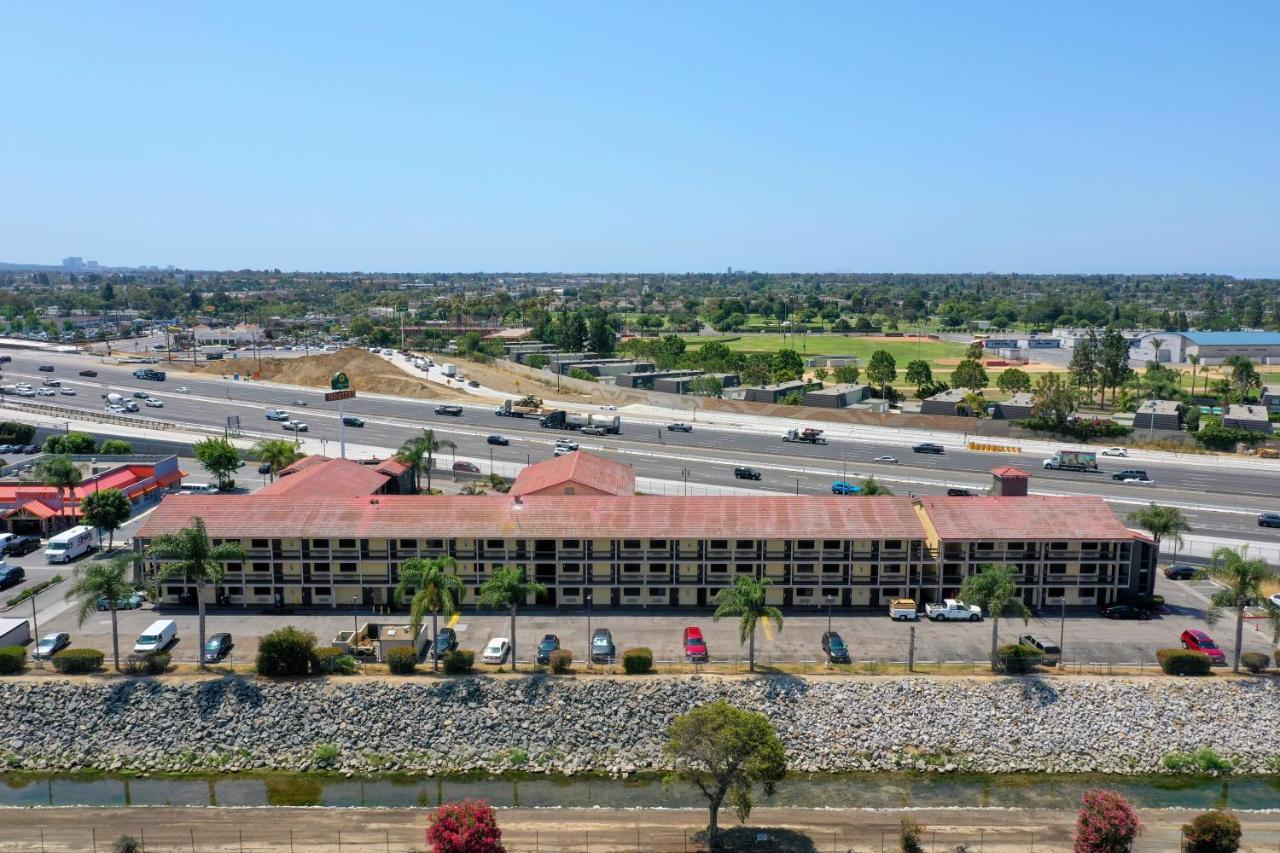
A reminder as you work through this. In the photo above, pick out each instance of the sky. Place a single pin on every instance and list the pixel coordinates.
(645, 137)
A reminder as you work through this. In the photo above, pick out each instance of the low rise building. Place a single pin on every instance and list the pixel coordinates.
(1017, 407)
(1158, 414)
(30, 507)
(1271, 399)
(1252, 418)
(774, 393)
(837, 396)
(949, 402)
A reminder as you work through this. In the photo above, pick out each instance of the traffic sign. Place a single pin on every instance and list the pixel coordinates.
(347, 394)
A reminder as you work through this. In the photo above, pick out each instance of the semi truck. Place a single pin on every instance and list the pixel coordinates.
(560, 419)
(1073, 460)
(808, 435)
(526, 407)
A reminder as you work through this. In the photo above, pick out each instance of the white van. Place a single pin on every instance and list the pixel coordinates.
(157, 637)
(5, 539)
(198, 489)
(69, 544)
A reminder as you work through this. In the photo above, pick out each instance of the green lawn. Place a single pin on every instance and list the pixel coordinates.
(835, 344)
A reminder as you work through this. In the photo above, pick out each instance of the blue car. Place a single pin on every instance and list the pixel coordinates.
(840, 487)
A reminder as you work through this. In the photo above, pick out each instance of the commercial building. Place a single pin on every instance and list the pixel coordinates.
(1216, 347)
(1271, 399)
(949, 402)
(680, 384)
(576, 526)
(30, 507)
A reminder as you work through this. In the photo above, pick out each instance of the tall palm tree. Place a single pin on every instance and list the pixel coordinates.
(509, 588)
(61, 473)
(1242, 580)
(189, 553)
(1195, 364)
(994, 590)
(102, 579)
(746, 599)
(278, 452)
(436, 590)
(1161, 522)
(419, 452)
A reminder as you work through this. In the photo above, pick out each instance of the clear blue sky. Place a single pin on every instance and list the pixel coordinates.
(929, 137)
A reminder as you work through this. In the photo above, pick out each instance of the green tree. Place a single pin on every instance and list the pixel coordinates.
(787, 365)
(882, 369)
(537, 361)
(1195, 365)
(1014, 381)
(1084, 366)
(846, 374)
(436, 589)
(1113, 360)
(115, 447)
(220, 458)
(994, 590)
(62, 474)
(1053, 400)
(919, 373)
(107, 509)
(870, 487)
(969, 374)
(1244, 376)
(1215, 831)
(80, 443)
(361, 327)
(974, 405)
(107, 579)
(1242, 581)
(706, 386)
(747, 600)
(508, 587)
(725, 752)
(601, 336)
(419, 453)
(189, 554)
(278, 453)
(1161, 522)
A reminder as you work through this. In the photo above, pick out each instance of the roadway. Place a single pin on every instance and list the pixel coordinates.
(1218, 500)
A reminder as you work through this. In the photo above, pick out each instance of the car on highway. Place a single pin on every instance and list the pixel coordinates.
(452, 411)
(90, 373)
(141, 395)
(843, 487)
(497, 650)
(52, 383)
(834, 648)
(592, 430)
(1180, 572)
(19, 545)
(277, 415)
(566, 443)
(1125, 611)
(1269, 519)
(51, 644)
(300, 403)
(1115, 451)
(125, 602)
(563, 451)
(499, 440)
(695, 645)
(24, 392)
(68, 392)
(959, 493)
(45, 368)
(602, 648)
(11, 576)
(887, 460)
(46, 392)
(471, 383)
(927, 447)
(1051, 651)
(679, 428)
(153, 403)
(294, 426)
(182, 389)
(1198, 641)
(1130, 474)
(549, 644)
(744, 473)
(466, 467)
(446, 641)
(353, 420)
(1138, 481)
(218, 647)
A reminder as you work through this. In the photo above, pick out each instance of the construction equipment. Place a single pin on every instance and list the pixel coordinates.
(808, 435)
(528, 406)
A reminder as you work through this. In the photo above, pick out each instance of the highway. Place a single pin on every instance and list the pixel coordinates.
(1218, 501)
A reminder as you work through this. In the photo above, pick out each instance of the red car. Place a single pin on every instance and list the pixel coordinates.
(1199, 641)
(695, 647)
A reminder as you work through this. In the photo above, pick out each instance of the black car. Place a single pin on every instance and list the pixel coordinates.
(45, 368)
(549, 644)
(89, 373)
(1052, 653)
(1130, 474)
(928, 447)
(602, 648)
(445, 642)
(455, 411)
(500, 440)
(746, 473)
(1269, 519)
(679, 428)
(20, 545)
(31, 448)
(960, 493)
(11, 576)
(834, 648)
(264, 468)
(217, 647)
(1180, 572)
(352, 421)
(1125, 611)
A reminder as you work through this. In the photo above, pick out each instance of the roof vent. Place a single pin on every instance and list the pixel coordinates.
(518, 502)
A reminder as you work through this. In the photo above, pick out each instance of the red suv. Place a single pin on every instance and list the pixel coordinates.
(695, 647)
(1199, 641)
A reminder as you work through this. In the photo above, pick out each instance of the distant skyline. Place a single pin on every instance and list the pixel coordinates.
(657, 137)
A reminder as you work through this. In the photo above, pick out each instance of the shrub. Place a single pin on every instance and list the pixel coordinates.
(909, 835)
(327, 660)
(152, 664)
(402, 661)
(126, 844)
(286, 652)
(561, 661)
(76, 661)
(1204, 760)
(1255, 662)
(1018, 659)
(637, 661)
(459, 661)
(1212, 832)
(1183, 662)
(12, 659)
(1106, 823)
(326, 752)
(466, 827)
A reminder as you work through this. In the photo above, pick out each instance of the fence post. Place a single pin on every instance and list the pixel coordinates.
(42, 840)
(386, 835)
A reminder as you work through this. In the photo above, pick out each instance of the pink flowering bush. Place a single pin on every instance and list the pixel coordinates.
(466, 827)
(1106, 823)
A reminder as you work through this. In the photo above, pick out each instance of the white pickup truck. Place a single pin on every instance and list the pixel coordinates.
(953, 610)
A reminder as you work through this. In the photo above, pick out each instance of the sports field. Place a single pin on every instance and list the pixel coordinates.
(903, 349)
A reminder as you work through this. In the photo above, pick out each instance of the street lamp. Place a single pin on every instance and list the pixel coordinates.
(35, 626)
(587, 594)
(355, 624)
(830, 599)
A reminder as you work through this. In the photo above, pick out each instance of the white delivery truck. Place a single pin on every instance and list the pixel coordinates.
(157, 637)
(69, 544)
(14, 632)
(449, 370)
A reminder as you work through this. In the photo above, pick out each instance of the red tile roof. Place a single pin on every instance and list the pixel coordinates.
(327, 478)
(391, 467)
(1009, 471)
(498, 516)
(586, 469)
(1030, 517)
(302, 464)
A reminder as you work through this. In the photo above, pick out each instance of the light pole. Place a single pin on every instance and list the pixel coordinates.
(830, 599)
(355, 624)
(491, 460)
(1062, 630)
(35, 627)
(587, 594)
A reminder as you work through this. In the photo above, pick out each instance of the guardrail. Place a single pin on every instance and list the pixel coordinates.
(65, 413)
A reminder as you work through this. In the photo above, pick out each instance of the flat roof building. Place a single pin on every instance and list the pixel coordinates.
(1017, 407)
(837, 396)
(949, 402)
(1158, 414)
(1252, 418)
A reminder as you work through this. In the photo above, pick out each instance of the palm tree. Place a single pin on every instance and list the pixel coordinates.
(190, 554)
(102, 579)
(1242, 580)
(1161, 522)
(747, 600)
(1195, 364)
(61, 473)
(994, 590)
(436, 590)
(975, 404)
(870, 486)
(278, 452)
(509, 588)
(419, 452)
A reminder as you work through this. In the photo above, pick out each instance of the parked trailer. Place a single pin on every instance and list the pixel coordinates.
(14, 632)
(1073, 460)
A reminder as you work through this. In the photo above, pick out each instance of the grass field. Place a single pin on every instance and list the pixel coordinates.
(903, 350)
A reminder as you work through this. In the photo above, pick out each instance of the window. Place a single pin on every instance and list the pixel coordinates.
(746, 545)
(572, 569)
(831, 544)
(259, 543)
(570, 592)
(1057, 546)
(346, 543)
(408, 544)
(173, 590)
(804, 592)
(631, 591)
(657, 568)
(319, 543)
(1088, 593)
(718, 568)
(1055, 592)
(658, 544)
(322, 568)
(235, 567)
(1015, 546)
(986, 546)
(495, 544)
(346, 567)
(262, 567)
(435, 544)
(631, 544)
(262, 590)
(1057, 568)
(235, 590)
(831, 568)
(571, 544)
(805, 544)
(893, 544)
(631, 568)
(719, 544)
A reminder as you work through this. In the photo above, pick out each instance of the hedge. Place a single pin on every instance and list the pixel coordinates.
(561, 661)
(78, 661)
(288, 651)
(402, 661)
(1018, 659)
(1184, 662)
(1255, 662)
(1212, 832)
(152, 664)
(637, 661)
(459, 661)
(327, 660)
(13, 659)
